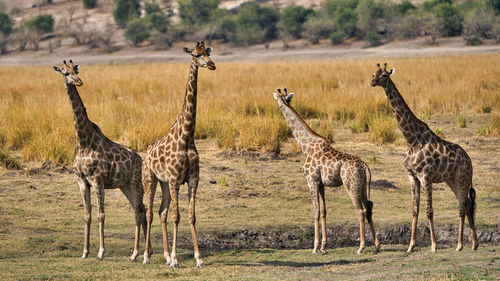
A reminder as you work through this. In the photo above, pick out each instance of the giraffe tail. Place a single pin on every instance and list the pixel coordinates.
(369, 179)
(472, 197)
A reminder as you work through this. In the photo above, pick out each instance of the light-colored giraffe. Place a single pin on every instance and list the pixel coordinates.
(325, 166)
(173, 160)
(101, 164)
(430, 159)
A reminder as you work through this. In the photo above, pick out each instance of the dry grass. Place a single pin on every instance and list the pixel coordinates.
(137, 103)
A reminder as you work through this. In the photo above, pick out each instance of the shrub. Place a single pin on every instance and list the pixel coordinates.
(151, 8)
(372, 38)
(137, 31)
(89, 4)
(450, 19)
(337, 37)
(125, 11)
(404, 7)
(158, 21)
(479, 23)
(5, 24)
(462, 121)
(252, 17)
(43, 23)
(410, 27)
(368, 12)
(316, 28)
(344, 14)
(292, 20)
(197, 12)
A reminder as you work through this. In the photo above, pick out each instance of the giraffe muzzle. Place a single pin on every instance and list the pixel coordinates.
(78, 83)
(211, 65)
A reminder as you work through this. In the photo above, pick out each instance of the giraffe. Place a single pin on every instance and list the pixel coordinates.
(430, 159)
(325, 166)
(173, 160)
(101, 164)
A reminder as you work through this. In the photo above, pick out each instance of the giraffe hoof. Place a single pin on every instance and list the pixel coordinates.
(145, 262)
(200, 265)
(323, 251)
(174, 265)
(459, 248)
(474, 247)
(433, 248)
(85, 255)
(314, 251)
(99, 258)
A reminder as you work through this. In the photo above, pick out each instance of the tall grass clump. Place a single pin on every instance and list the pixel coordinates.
(235, 103)
(383, 130)
(462, 121)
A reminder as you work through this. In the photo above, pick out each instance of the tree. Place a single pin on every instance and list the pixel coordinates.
(43, 23)
(255, 23)
(318, 27)
(404, 7)
(292, 20)
(5, 24)
(89, 4)
(450, 19)
(125, 11)
(197, 12)
(368, 13)
(158, 21)
(137, 31)
(495, 4)
(344, 14)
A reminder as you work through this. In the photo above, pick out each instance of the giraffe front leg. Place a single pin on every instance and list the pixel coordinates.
(87, 207)
(99, 190)
(192, 187)
(430, 213)
(163, 213)
(174, 195)
(322, 210)
(415, 182)
(471, 206)
(313, 187)
(149, 183)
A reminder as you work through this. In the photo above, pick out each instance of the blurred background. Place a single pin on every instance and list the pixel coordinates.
(100, 27)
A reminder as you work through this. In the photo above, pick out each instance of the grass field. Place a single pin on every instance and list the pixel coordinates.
(246, 197)
(137, 103)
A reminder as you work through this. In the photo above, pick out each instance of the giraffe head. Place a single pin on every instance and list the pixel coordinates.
(70, 73)
(201, 55)
(381, 77)
(283, 98)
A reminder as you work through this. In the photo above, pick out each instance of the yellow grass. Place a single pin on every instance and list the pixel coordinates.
(137, 103)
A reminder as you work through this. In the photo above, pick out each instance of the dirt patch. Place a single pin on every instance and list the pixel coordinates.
(338, 236)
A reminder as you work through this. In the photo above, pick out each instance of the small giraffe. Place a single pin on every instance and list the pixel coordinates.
(102, 164)
(325, 166)
(430, 159)
(173, 160)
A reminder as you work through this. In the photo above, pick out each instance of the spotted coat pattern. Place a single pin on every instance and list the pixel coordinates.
(326, 166)
(430, 159)
(101, 164)
(173, 160)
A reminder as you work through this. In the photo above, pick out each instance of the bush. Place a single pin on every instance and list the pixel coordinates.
(89, 4)
(197, 12)
(410, 27)
(480, 23)
(292, 20)
(43, 23)
(137, 31)
(158, 21)
(368, 13)
(5, 24)
(125, 11)
(404, 7)
(151, 8)
(344, 14)
(316, 28)
(462, 121)
(450, 19)
(372, 38)
(252, 17)
(337, 37)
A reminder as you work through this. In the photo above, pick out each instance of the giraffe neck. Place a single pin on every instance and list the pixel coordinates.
(300, 130)
(84, 127)
(413, 129)
(189, 108)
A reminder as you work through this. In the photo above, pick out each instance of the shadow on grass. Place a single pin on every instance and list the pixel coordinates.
(300, 264)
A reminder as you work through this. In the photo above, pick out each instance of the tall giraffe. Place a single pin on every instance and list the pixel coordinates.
(173, 160)
(430, 159)
(102, 164)
(325, 166)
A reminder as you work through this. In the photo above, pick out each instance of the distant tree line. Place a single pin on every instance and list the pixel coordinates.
(376, 22)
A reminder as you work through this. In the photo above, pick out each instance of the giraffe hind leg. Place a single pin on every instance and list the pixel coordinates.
(163, 212)
(85, 191)
(149, 183)
(471, 208)
(369, 213)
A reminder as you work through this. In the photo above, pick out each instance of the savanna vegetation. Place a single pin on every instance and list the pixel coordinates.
(236, 107)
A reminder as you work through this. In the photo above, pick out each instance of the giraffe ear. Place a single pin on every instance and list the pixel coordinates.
(77, 67)
(57, 69)
(208, 50)
(288, 98)
(275, 96)
(393, 70)
(187, 50)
